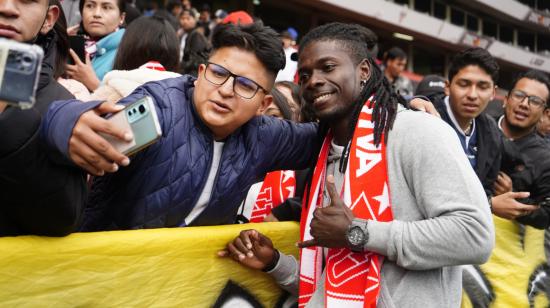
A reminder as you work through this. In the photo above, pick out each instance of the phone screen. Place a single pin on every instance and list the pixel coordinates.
(77, 44)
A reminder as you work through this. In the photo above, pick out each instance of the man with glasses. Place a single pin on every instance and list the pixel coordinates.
(214, 144)
(530, 170)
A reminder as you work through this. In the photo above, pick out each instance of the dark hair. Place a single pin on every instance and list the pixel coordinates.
(190, 12)
(205, 27)
(263, 41)
(306, 114)
(205, 7)
(281, 102)
(394, 53)
(61, 41)
(121, 4)
(196, 51)
(537, 76)
(372, 42)
(147, 39)
(474, 56)
(352, 38)
(172, 4)
(294, 91)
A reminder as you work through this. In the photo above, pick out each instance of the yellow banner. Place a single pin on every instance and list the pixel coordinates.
(516, 275)
(142, 268)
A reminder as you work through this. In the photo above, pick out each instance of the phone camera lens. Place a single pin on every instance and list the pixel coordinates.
(141, 109)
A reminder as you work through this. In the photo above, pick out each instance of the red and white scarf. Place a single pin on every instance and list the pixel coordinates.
(351, 279)
(276, 188)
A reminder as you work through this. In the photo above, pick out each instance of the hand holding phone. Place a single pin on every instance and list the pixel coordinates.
(142, 120)
(89, 150)
(19, 72)
(76, 42)
(90, 144)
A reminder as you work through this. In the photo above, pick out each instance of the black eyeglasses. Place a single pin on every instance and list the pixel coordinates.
(533, 100)
(242, 86)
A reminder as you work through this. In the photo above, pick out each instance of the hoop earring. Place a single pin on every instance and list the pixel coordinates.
(363, 83)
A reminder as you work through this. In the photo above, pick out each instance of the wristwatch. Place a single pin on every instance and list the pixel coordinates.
(357, 234)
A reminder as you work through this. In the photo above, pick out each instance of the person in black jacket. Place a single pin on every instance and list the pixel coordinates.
(195, 47)
(530, 171)
(38, 193)
(471, 85)
(472, 82)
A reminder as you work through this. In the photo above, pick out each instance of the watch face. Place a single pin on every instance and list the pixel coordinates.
(356, 236)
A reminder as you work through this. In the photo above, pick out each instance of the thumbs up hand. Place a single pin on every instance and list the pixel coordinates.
(330, 224)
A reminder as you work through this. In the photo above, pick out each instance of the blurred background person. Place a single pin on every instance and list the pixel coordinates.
(432, 87)
(131, 12)
(219, 15)
(195, 47)
(148, 51)
(174, 7)
(289, 45)
(279, 107)
(187, 5)
(205, 22)
(291, 92)
(76, 88)
(395, 61)
(188, 23)
(101, 25)
(171, 13)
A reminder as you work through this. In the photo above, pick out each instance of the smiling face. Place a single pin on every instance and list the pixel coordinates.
(469, 92)
(101, 17)
(22, 20)
(218, 106)
(520, 114)
(329, 79)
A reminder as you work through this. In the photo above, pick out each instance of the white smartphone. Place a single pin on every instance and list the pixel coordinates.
(141, 119)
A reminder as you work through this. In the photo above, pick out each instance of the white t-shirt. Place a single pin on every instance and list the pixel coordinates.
(207, 190)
